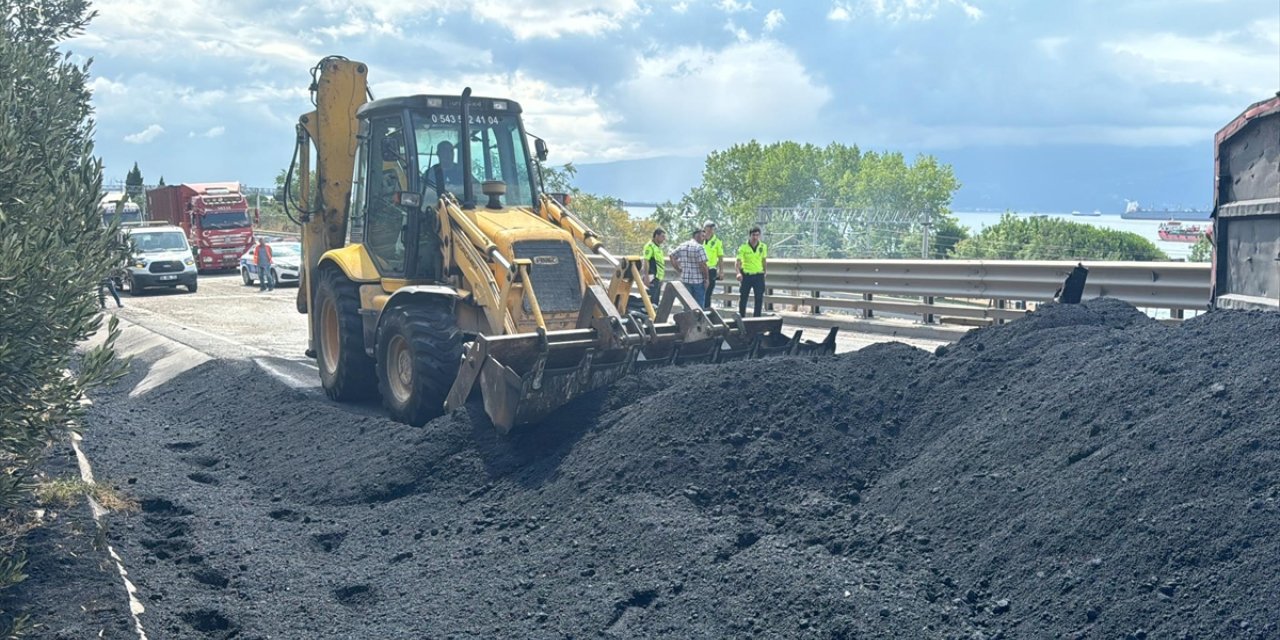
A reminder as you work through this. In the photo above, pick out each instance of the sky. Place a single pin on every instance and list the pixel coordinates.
(210, 90)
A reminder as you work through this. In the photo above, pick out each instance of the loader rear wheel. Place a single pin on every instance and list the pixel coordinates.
(346, 371)
(419, 354)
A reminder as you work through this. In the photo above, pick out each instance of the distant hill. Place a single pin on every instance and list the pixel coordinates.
(1082, 178)
(647, 180)
(1060, 178)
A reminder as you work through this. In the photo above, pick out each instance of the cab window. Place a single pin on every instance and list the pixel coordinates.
(387, 174)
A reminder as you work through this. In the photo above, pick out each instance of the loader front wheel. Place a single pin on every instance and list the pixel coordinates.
(346, 371)
(419, 354)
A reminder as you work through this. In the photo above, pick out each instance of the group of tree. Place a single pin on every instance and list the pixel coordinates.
(1040, 238)
(54, 251)
(877, 206)
(885, 204)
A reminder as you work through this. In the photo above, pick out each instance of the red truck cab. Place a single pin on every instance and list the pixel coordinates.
(215, 216)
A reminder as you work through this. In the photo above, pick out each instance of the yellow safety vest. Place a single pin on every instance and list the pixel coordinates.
(751, 261)
(715, 251)
(656, 259)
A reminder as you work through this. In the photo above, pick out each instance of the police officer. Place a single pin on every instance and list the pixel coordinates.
(751, 261)
(654, 268)
(715, 251)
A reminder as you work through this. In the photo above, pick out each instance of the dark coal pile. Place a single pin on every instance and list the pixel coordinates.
(1081, 472)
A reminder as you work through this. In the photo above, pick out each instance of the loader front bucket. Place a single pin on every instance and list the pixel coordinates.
(754, 337)
(524, 377)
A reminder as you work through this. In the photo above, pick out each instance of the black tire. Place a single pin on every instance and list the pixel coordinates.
(421, 345)
(347, 374)
(244, 277)
(191, 288)
(133, 289)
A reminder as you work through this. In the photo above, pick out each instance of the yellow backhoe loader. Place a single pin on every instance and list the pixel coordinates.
(419, 292)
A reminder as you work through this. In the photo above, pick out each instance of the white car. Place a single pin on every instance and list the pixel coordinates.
(162, 258)
(285, 257)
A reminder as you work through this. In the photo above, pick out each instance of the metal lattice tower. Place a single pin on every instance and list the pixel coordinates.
(799, 231)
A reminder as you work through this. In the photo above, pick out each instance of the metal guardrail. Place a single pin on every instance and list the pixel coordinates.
(1005, 286)
(979, 290)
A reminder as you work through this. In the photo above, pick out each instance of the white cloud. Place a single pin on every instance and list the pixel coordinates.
(1231, 62)
(146, 135)
(738, 32)
(680, 7)
(773, 20)
(1267, 30)
(573, 121)
(553, 18)
(893, 11)
(211, 133)
(733, 6)
(152, 29)
(699, 98)
(971, 11)
(526, 21)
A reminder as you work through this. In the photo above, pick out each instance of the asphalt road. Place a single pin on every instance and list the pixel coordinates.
(228, 320)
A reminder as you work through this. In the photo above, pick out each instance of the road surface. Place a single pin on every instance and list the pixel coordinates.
(228, 320)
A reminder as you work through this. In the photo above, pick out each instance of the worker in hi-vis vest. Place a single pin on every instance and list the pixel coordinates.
(751, 260)
(715, 252)
(654, 267)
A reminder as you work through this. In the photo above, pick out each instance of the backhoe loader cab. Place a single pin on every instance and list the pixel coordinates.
(423, 291)
(413, 145)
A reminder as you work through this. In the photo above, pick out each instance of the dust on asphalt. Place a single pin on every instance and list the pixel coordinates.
(1082, 472)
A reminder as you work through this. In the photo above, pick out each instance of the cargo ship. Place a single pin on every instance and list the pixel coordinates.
(1174, 231)
(1135, 211)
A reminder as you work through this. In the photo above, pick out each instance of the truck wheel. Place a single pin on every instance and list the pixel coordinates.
(346, 372)
(133, 288)
(244, 275)
(419, 354)
(191, 288)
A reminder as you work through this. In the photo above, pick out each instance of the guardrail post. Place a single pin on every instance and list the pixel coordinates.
(928, 317)
(767, 294)
(1177, 314)
(816, 309)
(1001, 304)
(867, 313)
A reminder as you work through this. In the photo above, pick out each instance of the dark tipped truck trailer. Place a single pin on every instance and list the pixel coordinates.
(1246, 210)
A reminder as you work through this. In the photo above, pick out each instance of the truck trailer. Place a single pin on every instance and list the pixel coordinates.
(215, 217)
(1246, 210)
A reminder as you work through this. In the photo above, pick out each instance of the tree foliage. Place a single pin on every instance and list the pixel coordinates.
(1202, 250)
(133, 181)
(53, 252)
(1023, 238)
(887, 204)
(603, 214)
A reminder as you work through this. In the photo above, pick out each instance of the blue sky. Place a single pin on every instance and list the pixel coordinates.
(203, 90)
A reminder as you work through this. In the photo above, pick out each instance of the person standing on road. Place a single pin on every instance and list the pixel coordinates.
(262, 260)
(715, 252)
(690, 262)
(654, 268)
(751, 259)
(108, 285)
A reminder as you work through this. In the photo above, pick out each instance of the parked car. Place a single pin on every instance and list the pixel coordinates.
(285, 257)
(162, 258)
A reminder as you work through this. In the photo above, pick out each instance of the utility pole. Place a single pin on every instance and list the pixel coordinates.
(924, 235)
